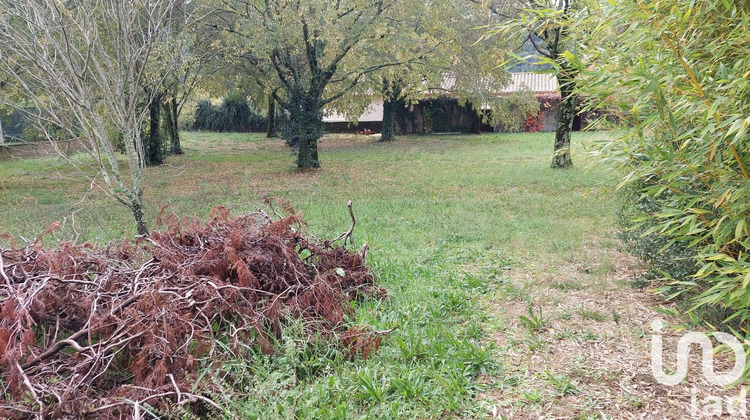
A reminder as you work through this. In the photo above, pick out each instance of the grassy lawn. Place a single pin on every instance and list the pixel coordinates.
(506, 289)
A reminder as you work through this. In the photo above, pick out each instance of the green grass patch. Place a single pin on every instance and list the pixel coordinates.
(445, 218)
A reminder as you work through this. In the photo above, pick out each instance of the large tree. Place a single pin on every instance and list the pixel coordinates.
(317, 53)
(546, 24)
(442, 51)
(195, 44)
(188, 49)
(82, 64)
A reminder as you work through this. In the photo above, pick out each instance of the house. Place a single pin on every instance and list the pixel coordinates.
(371, 119)
(442, 112)
(545, 89)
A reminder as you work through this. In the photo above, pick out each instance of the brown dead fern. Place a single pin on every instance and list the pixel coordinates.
(85, 332)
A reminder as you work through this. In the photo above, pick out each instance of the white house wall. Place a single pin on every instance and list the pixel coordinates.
(373, 113)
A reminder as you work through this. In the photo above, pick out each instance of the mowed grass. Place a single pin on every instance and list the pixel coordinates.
(445, 218)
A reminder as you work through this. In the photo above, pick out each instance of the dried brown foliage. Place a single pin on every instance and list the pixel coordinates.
(84, 330)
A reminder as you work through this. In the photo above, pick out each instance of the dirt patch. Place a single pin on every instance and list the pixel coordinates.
(578, 345)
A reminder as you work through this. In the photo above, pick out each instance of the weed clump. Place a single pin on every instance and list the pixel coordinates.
(99, 332)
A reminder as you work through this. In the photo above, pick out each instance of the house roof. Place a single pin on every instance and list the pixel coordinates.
(535, 82)
(538, 83)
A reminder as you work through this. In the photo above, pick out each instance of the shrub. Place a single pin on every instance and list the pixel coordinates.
(232, 115)
(674, 260)
(533, 124)
(31, 133)
(686, 157)
(205, 114)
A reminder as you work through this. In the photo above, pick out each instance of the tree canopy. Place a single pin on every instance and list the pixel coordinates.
(314, 51)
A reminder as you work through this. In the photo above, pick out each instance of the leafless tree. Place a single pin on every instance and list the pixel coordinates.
(81, 63)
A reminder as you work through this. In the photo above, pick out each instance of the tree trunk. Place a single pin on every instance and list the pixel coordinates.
(307, 123)
(140, 221)
(391, 94)
(271, 118)
(153, 143)
(310, 131)
(389, 119)
(305, 126)
(307, 155)
(170, 115)
(565, 115)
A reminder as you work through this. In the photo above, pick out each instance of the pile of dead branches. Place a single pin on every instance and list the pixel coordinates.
(96, 333)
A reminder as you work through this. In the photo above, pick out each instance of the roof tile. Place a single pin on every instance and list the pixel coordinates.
(535, 82)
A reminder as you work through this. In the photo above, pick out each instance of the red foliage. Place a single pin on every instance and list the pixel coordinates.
(548, 101)
(533, 124)
(82, 329)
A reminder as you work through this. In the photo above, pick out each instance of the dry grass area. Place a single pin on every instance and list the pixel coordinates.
(589, 354)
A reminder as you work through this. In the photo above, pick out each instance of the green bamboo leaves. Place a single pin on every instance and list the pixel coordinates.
(678, 74)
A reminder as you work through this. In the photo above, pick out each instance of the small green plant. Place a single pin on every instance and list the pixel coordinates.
(474, 283)
(562, 384)
(533, 396)
(507, 381)
(410, 384)
(565, 315)
(371, 385)
(412, 347)
(514, 291)
(590, 336)
(615, 317)
(458, 383)
(634, 401)
(474, 330)
(534, 322)
(638, 332)
(565, 334)
(479, 359)
(455, 301)
(535, 342)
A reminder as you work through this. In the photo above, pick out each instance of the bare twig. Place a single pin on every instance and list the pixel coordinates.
(72, 339)
(2, 270)
(31, 389)
(176, 388)
(348, 234)
(161, 307)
